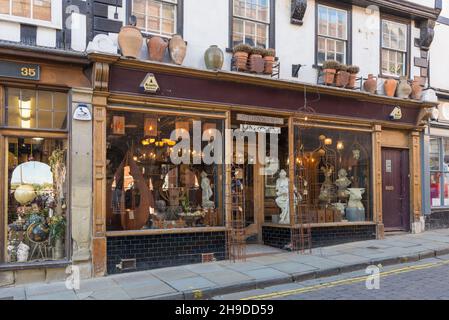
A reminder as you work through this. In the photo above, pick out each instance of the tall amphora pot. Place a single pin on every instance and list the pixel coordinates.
(156, 48)
(130, 41)
(370, 85)
(417, 88)
(404, 89)
(390, 87)
(178, 49)
(213, 58)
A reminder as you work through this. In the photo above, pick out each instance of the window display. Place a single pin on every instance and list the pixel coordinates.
(37, 191)
(439, 171)
(332, 175)
(146, 189)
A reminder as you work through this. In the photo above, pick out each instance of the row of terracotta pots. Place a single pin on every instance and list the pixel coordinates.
(392, 87)
(340, 75)
(130, 41)
(256, 60)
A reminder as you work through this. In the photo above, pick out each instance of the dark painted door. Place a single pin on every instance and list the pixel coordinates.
(395, 189)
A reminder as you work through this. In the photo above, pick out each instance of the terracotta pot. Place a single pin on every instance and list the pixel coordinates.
(390, 86)
(351, 81)
(256, 63)
(329, 76)
(213, 58)
(156, 48)
(342, 78)
(269, 62)
(241, 60)
(404, 89)
(370, 85)
(417, 88)
(130, 41)
(178, 49)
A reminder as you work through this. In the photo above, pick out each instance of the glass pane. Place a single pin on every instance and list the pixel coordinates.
(434, 154)
(238, 26)
(332, 23)
(239, 8)
(435, 190)
(12, 104)
(44, 100)
(262, 12)
(445, 154)
(138, 6)
(27, 109)
(154, 24)
(154, 8)
(44, 119)
(321, 57)
(21, 8)
(322, 21)
(60, 120)
(140, 20)
(385, 61)
(4, 6)
(321, 44)
(60, 101)
(262, 31)
(251, 9)
(386, 39)
(42, 10)
(340, 57)
(340, 46)
(168, 11)
(250, 33)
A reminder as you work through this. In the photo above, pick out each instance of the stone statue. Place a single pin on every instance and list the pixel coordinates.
(22, 252)
(355, 210)
(326, 190)
(342, 183)
(207, 191)
(282, 199)
(356, 154)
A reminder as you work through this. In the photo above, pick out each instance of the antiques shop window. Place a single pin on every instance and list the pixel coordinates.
(332, 34)
(156, 16)
(439, 171)
(394, 54)
(333, 175)
(36, 109)
(252, 23)
(147, 188)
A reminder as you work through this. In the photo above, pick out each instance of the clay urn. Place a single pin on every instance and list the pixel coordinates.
(214, 58)
(417, 88)
(256, 62)
(390, 87)
(342, 77)
(404, 89)
(269, 59)
(156, 48)
(130, 41)
(241, 54)
(178, 49)
(370, 85)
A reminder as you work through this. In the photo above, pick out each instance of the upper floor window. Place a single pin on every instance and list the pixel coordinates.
(332, 33)
(251, 22)
(32, 9)
(394, 48)
(156, 17)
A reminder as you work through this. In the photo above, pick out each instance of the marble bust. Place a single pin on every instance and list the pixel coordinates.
(342, 183)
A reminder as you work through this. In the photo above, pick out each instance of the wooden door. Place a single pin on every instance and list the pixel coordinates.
(395, 189)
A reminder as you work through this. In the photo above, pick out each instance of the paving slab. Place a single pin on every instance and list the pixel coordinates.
(110, 294)
(242, 266)
(37, 289)
(292, 267)
(265, 273)
(173, 273)
(226, 277)
(191, 283)
(148, 289)
(66, 295)
(12, 293)
(204, 268)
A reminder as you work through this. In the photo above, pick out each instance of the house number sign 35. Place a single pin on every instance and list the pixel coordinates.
(19, 70)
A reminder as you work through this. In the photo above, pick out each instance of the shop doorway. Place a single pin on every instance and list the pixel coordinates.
(395, 189)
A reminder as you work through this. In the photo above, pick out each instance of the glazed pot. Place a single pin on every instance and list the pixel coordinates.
(329, 76)
(390, 86)
(178, 49)
(256, 63)
(269, 62)
(24, 194)
(404, 89)
(156, 48)
(342, 78)
(417, 89)
(370, 85)
(214, 58)
(351, 81)
(241, 60)
(130, 41)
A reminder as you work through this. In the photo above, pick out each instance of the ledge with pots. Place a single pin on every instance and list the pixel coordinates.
(255, 60)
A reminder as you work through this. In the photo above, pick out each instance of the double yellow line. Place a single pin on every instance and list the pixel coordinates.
(280, 294)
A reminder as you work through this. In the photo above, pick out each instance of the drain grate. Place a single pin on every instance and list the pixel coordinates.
(373, 248)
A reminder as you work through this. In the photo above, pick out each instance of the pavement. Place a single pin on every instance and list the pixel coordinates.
(208, 280)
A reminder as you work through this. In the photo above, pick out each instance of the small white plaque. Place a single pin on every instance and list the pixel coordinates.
(82, 113)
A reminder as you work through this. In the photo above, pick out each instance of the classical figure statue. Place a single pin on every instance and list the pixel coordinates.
(22, 252)
(207, 191)
(326, 190)
(282, 199)
(342, 183)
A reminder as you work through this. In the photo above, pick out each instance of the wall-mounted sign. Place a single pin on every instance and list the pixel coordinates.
(257, 118)
(388, 165)
(255, 128)
(396, 114)
(19, 70)
(149, 84)
(82, 113)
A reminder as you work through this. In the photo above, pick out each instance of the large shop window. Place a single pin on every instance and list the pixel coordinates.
(156, 16)
(333, 175)
(146, 188)
(439, 171)
(251, 22)
(394, 48)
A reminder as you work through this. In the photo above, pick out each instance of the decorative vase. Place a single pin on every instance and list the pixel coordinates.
(370, 85)
(256, 63)
(213, 58)
(58, 249)
(269, 62)
(156, 48)
(404, 89)
(329, 76)
(417, 88)
(351, 81)
(178, 49)
(241, 60)
(390, 86)
(342, 78)
(24, 194)
(130, 41)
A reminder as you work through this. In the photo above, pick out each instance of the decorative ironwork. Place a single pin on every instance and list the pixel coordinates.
(276, 68)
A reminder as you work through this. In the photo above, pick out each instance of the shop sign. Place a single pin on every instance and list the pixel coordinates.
(396, 114)
(19, 70)
(255, 128)
(149, 84)
(82, 113)
(257, 118)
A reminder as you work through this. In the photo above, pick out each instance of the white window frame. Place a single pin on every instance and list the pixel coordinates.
(328, 37)
(397, 51)
(146, 31)
(256, 22)
(56, 16)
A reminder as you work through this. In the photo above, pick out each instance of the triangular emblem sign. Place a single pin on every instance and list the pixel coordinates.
(149, 84)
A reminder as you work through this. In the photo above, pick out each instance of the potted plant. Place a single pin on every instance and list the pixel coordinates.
(241, 53)
(329, 69)
(353, 71)
(342, 77)
(269, 58)
(57, 233)
(256, 62)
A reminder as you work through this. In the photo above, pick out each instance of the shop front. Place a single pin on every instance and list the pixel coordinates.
(294, 165)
